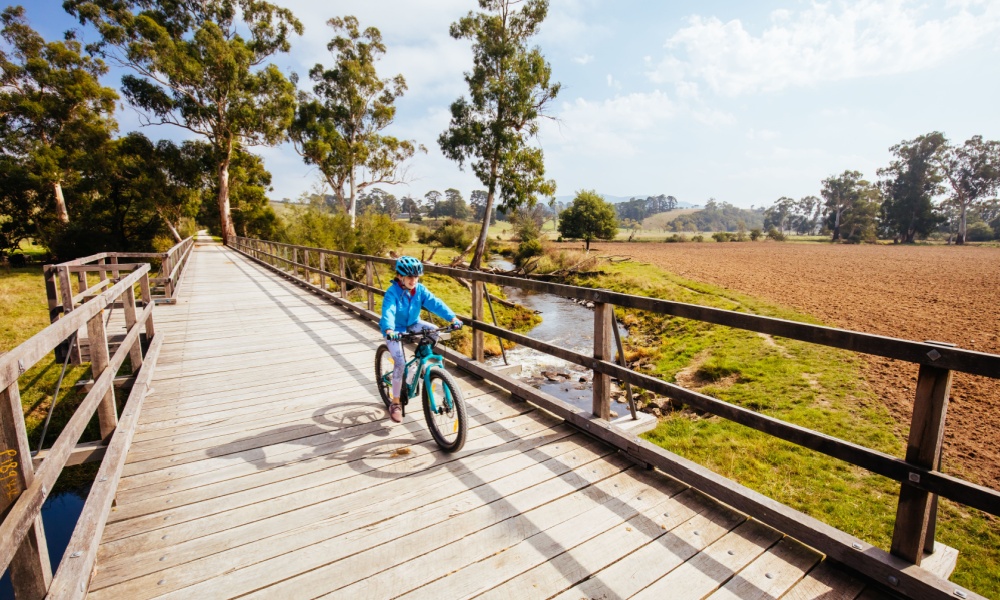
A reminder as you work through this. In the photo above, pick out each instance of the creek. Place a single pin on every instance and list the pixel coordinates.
(565, 324)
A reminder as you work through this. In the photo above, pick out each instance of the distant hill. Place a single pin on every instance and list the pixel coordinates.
(618, 199)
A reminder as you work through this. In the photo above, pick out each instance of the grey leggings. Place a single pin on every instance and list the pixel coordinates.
(396, 351)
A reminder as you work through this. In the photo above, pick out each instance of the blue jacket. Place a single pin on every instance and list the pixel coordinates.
(401, 308)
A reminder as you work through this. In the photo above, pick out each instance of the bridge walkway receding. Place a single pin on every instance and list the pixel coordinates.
(264, 466)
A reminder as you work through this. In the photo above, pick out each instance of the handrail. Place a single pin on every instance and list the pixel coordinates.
(920, 480)
(22, 540)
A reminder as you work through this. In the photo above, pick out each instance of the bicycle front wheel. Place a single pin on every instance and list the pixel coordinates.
(446, 418)
(383, 373)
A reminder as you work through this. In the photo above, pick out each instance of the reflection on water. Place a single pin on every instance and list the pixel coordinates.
(59, 516)
(565, 324)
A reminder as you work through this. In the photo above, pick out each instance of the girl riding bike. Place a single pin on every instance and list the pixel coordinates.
(401, 314)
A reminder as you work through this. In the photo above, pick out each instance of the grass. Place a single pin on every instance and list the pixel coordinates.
(811, 386)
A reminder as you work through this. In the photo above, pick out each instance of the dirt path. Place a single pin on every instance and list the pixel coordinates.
(942, 293)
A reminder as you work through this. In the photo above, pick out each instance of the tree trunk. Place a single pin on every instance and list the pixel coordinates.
(836, 225)
(61, 211)
(225, 218)
(354, 201)
(173, 230)
(962, 224)
(477, 258)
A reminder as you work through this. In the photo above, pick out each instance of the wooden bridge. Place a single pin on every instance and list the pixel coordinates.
(261, 464)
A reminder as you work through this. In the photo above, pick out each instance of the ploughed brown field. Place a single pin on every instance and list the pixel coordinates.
(941, 293)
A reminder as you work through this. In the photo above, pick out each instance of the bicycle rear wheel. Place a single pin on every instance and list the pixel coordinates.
(447, 421)
(383, 374)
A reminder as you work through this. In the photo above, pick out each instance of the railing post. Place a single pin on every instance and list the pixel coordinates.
(135, 352)
(915, 518)
(67, 307)
(103, 274)
(370, 281)
(477, 316)
(51, 292)
(306, 273)
(81, 282)
(115, 271)
(343, 278)
(30, 572)
(166, 269)
(107, 412)
(147, 299)
(295, 260)
(603, 338)
(322, 270)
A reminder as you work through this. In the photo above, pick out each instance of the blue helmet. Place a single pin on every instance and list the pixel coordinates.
(407, 266)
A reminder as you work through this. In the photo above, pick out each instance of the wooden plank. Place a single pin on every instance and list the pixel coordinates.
(826, 582)
(296, 548)
(706, 571)
(72, 579)
(772, 574)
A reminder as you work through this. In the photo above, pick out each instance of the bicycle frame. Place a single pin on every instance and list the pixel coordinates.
(408, 391)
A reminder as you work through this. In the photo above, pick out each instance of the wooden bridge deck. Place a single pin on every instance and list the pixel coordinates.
(264, 466)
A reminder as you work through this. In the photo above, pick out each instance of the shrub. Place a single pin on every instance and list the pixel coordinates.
(721, 236)
(774, 234)
(425, 235)
(527, 250)
(755, 234)
(675, 238)
(698, 238)
(978, 232)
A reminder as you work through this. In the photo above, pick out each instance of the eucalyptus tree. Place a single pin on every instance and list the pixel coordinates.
(909, 185)
(589, 218)
(54, 112)
(847, 198)
(973, 172)
(339, 128)
(509, 88)
(202, 66)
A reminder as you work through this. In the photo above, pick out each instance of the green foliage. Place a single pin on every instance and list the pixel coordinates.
(588, 218)
(316, 226)
(201, 66)
(528, 249)
(249, 182)
(973, 172)
(339, 127)
(454, 234)
(677, 237)
(979, 232)
(509, 88)
(55, 115)
(722, 236)
(774, 234)
(717, 216)
(755, 234)
(638, 209)
(852, 205)
(908, 186)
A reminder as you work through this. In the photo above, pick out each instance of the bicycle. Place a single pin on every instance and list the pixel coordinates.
(444, 404)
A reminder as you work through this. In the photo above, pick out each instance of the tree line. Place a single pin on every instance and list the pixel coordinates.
(930, 186)
(205, 67)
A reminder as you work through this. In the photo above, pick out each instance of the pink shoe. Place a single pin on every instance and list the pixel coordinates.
(396, 413)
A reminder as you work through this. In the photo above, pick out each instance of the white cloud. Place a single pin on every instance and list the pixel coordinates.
(582, 60)
(762, 134)
(613, 127)
(825, 42)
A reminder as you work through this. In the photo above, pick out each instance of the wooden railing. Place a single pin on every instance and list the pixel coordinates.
(22, 540)
(324, 272)
(59, 277)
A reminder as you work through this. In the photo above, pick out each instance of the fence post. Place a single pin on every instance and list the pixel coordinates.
(295, 260)
(107, 412)
(343, 278)
(81, 282)
(603, 322)
(322, 270)
(128, 304)
(115, 271)
(147, 299)
(67, 307)
(166, 269)
(477, 315)
(103, 274)
(370, 281)
(915, 518)
(30, 572)
(306, 273)
(51, 292)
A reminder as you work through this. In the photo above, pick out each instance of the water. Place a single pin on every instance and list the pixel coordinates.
(59, 516)
(565, 324)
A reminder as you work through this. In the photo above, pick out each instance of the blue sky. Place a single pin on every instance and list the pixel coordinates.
(744, 102)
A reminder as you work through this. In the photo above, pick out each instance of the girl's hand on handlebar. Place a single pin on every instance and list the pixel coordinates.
(456, 324)
(391, 335)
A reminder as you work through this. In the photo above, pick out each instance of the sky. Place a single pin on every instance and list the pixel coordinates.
(744, 102)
